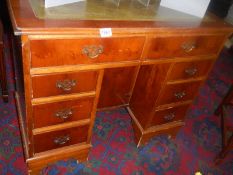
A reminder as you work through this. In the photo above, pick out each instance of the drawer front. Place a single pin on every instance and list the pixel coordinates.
(61, 112)
(186, 70)
(59, 52)
(172, 93)
(169, 115)
(179, 46)
(58, 139)
(61, 84)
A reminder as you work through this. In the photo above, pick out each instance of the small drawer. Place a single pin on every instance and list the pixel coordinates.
(171, 132)
(61, 112)
(193, 69)
(58, 139)
(169, 115)
(172, 93)
(179, 46)
(61, 84)
(59, 52)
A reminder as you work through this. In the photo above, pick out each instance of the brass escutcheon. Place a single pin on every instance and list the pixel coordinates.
(64, 114)
(188, 46)
(180, 95)
(92, 51)
(191, 71)
(61, 140)
(66, 85)
(169, 117)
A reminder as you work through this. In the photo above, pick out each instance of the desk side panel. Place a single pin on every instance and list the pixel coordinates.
(19, 90)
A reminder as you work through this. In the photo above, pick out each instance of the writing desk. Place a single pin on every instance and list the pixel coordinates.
(153, 64)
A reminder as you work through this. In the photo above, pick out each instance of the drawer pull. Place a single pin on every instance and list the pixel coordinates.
(169, 117)
(191, 71)
(180, 95)
(92, 51)
(61, 140)
(188, 47)
(66, 85)
(65, 114)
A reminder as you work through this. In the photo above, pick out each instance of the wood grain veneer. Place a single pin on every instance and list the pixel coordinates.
(149, 82)
(70, 51)
(178, 46)
(178, 92)
(48, 85)
(61, 112)
(47, 141)
(168, 115)
(190, 69)
(155, 68)
(117, 86)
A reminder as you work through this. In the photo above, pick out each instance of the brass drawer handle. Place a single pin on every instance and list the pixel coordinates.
(66, 85)
(180, 95)
(93, 51)
(64, 114)
(61, 140)
(188, 47)
(169, 117)
(191, 71)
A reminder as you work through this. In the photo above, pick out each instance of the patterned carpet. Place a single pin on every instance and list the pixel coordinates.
(114, 151)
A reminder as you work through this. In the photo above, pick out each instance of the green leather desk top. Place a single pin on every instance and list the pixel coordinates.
(109, 10)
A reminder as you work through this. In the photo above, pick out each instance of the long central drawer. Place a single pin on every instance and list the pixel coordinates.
(183, 46)
(58, 52)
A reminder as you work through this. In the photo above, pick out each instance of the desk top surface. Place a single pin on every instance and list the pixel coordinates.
(121, 10)
(30, 17)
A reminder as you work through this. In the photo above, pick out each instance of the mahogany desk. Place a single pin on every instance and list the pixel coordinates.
(153, 64)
